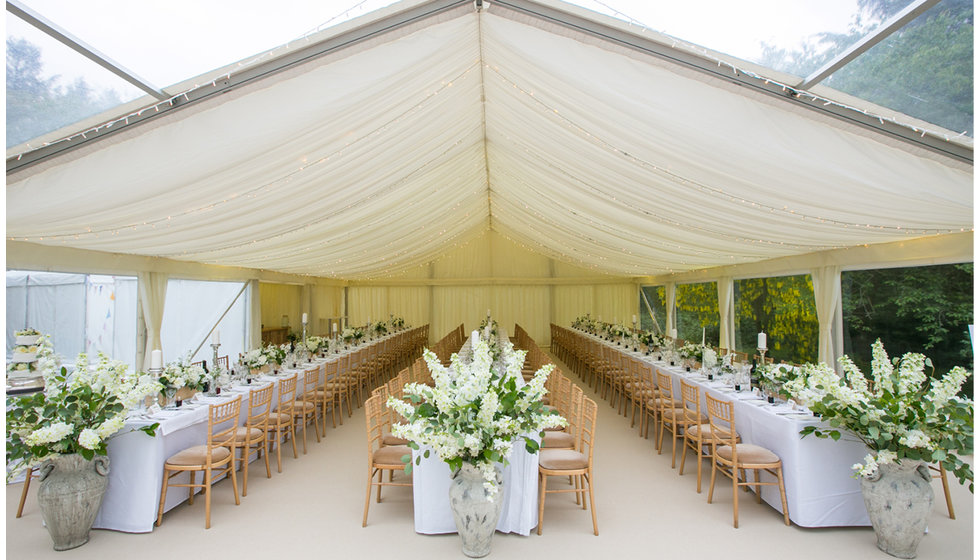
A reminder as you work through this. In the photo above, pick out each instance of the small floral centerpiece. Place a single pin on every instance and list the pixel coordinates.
(476, 411)
(691, 351)
(380, 328)
(255, 359)
(181, 373)
(313, 344)
(76, 413)
(899, 413)
(397, 322)
(352, 335)
(585, 323)
(275, 353)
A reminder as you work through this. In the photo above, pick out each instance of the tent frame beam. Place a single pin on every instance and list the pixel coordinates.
(81, 47)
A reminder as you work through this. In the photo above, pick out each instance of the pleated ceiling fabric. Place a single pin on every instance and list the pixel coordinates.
(373, 163)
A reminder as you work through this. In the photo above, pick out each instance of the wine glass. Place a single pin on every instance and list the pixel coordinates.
(170, 393)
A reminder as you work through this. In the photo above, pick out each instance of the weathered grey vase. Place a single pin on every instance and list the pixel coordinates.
(899, 499)
(69, 495)
(476, 515)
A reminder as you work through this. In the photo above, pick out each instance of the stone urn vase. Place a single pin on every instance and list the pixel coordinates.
(70, 495)
(899, 499)
(475, 513)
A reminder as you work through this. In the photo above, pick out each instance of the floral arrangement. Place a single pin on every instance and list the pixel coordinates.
(899, 413)
(397, 322)
(652, 339)
(182, 373)
(275, 353)
(476, 411)
(585, 323)
(255, 358)
(691, 351)
(352, 334)
(313, 344)
(74, 414)
(380, 328)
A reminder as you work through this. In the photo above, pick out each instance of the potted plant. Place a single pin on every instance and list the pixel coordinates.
(65, 431)
(907, 420)
(471, 419)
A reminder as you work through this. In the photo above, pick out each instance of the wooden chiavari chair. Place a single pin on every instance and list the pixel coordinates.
(251, 438)
(381, 457)
(281, 422)
(576, 463)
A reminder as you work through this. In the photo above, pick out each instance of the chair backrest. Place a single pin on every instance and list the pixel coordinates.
(722, 422)
(373, 419)
(223, 362)
(691, 397)
(665, 385)
(222, 425)
(590, 412)
(574, 416)
(311, 382)
(287, 394)
(563, 391)
(259, 405)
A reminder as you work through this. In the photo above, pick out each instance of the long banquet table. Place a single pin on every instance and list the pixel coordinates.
(821, 490)
(136, 459)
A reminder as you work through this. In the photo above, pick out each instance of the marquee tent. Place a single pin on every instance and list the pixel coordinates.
(440, 157)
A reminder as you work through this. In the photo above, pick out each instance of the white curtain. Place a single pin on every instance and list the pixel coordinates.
(153, 296)
(670, 296)
(826, 293)
(726, 308)
(254, 315)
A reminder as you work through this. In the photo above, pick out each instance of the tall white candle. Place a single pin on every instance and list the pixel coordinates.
(216, 337)
(702, 336)
(335, 328)
(473, 339)
(762, 340)
(488, 312)
(634, 319)
(156, 359)
(673, 333)
(304, 318)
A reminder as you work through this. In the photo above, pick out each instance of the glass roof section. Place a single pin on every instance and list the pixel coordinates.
(919, 70)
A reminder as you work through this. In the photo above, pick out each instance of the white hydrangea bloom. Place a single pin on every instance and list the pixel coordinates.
(881, 368)
(89, 439)
(110, 426)
(49, 434)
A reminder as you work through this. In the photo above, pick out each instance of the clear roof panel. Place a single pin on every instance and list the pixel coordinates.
(924, 70)
(172, 42)
(50, 86)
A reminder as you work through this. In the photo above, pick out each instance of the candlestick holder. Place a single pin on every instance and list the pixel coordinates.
(214, 360)
(304, 332)
(762, 356)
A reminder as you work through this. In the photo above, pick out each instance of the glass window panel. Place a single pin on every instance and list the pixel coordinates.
(924, 70)
(773, 33)
(924, 309)
(189, 37)
(657, 298)
(192, 308)
(783, 307)
(697, 309)
(82, 313)
(50, 86)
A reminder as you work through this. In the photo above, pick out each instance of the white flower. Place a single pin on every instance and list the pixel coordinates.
(914, 438)
(89, 439)
(110, 426)
(49, 434)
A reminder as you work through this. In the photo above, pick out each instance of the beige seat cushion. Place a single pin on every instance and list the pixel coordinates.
(391, 455)
(298, 408)
(389, 439)
(276, 416)
(243, 432)
(198, 455)
(561, 440)
(562, 460)
(748, 454)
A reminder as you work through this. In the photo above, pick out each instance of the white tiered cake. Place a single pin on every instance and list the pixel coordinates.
(22, 369)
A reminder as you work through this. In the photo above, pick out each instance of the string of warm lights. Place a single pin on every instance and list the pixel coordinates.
(789, 90)
(680, 181)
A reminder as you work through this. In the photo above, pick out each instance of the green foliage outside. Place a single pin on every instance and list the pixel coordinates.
(924, 70)
(657, 298)
(925, 309)
(782, 307)
(38, 105)
(697, 308)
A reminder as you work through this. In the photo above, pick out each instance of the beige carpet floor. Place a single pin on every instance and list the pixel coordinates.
(645, 510)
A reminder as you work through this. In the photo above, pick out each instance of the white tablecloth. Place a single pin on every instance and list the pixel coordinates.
(821, 490)
(430, 485)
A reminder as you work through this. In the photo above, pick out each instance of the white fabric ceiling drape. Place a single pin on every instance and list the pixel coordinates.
(153, 296)
(827, 296)
(365, 163)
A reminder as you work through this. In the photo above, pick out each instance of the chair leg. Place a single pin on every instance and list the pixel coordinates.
(758, 488)
(542, 492)
(207, 497)
(163, 496)
(30, 474)
(595, 523)
(245, 471)
(265, 455)
(367, 497)
(711, 487)
(735, 477)
(190, 490)
(381, 480)
(234, 483)
(782, 494)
